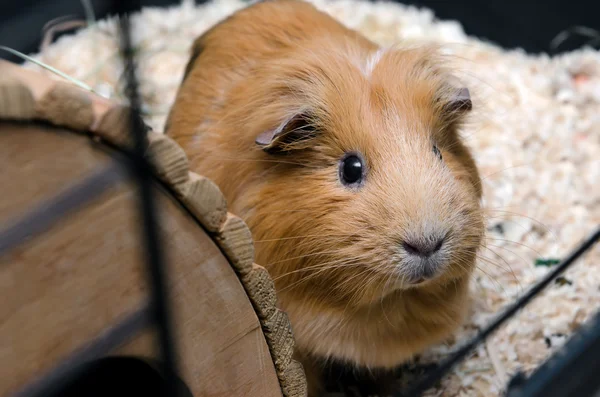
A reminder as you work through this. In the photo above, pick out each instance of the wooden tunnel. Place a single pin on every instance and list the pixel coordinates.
(67, 286)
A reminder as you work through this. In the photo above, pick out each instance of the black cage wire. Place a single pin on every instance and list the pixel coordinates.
(571, 371)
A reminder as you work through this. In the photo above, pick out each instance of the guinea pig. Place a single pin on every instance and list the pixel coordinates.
(347, 163)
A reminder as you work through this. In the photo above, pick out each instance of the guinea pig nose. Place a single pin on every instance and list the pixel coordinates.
(424, 247)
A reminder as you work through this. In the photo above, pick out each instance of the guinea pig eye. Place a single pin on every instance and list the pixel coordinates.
(351, 170)
(437, 152)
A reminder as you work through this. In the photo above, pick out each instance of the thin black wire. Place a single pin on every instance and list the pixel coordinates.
(154, 255)
(571, 371)
(436, 375)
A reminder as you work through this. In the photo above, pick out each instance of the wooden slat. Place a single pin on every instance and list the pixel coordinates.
(31, 172)
(65, 286)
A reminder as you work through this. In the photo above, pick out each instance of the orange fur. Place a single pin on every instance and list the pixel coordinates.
(333, 250)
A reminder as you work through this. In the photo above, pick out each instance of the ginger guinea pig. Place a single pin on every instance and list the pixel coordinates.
(346, 162)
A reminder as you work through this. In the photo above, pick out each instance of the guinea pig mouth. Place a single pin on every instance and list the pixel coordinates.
(419, 270)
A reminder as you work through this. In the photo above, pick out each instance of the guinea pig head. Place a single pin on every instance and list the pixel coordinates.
(365, 187)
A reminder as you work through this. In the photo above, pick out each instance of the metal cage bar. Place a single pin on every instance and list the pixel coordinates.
(571, 371)
(156, 311)
(154, 253)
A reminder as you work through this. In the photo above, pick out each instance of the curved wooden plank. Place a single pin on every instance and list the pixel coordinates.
(109, 122)
(64, 287)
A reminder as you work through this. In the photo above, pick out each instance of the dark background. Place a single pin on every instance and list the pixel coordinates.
(528, 25)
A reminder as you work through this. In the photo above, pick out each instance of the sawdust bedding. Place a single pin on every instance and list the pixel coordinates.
(535, 135)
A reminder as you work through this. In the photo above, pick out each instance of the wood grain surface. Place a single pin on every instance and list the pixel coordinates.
(62, 288)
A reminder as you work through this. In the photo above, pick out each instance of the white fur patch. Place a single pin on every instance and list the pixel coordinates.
(372, 62)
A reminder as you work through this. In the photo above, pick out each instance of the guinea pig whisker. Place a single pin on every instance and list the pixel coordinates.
(463, 263)
(355, 298)
(483, 178)
(301, 257)
(498, 265)
(513, 242)
(372, 300)
(509, 267)
(322, 266)
(503, 218)
(487, 246)
(460, 262)
(367, 269)
(312, 254)
(544, 226)
(219, 158)
(330, 265)
(385, 281)
(348, 280)
(283, 211)
(500, 208)
(301, 281)
(506, 249)
(494, 281)
(320, 236)
(389, 278)
(489, 261)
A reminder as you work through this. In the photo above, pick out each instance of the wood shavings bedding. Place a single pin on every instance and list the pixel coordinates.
(535, 135)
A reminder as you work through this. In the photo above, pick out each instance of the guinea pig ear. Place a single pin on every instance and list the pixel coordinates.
(459, 102)
(291, 134)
